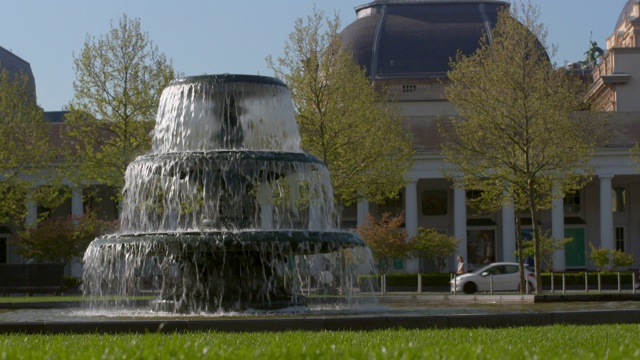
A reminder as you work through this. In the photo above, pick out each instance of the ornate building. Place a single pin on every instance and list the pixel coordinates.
(405, 45)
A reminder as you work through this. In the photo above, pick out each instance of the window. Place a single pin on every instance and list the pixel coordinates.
(619, 199)
(572, 203)
(620, 238)
(3, 250)
(434, 202)
(408, 88)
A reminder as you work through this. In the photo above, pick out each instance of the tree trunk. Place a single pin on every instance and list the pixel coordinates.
(523, 285)
(536, 235)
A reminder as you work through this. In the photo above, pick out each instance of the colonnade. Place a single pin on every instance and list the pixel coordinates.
(508, 244)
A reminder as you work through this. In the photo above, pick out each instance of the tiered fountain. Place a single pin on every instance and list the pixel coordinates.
(226, 212)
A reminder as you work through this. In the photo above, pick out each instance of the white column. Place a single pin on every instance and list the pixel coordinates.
(508, 232)
(460, 222)
(411, 220)
(557, 231)
(32, 212)
(363, 211)
(77, 208)
(606, 213)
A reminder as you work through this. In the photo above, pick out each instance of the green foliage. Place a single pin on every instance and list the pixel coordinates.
(25, 151)
(577, 278)
(385, 239)
(431, 244)
(72, 282)
(608, 259)
(409, 280)
(119, 80)
(356, 131)
(519, 139)
(548, 246)
(621, 259)
(62, 239)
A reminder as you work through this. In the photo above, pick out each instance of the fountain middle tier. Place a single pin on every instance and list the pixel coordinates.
(227, 190)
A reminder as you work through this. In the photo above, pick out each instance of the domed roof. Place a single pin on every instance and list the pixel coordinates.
(15, 65)
(417, 38)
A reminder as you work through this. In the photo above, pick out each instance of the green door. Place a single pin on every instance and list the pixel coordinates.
(575, 251)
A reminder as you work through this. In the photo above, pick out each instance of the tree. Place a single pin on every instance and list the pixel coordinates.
(354, 130)
(61, 240)
(548, 246)
(518, 139)
(119, 80)
(430, 244)
(385, 239)
(605, 258)
(25, 151)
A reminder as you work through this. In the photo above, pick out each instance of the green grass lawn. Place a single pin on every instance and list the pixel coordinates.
(549, 342)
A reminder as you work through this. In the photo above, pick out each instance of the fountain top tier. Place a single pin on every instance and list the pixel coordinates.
(227, 111)
(226, 156)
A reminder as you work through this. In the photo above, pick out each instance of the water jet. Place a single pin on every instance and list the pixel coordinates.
(226, 212)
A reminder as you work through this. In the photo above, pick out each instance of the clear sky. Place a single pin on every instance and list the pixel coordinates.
(224, 36)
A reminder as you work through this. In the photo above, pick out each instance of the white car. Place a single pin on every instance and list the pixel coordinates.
(499, 276)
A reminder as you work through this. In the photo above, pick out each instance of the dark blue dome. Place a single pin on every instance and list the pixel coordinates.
(417, 38)
(14, 64)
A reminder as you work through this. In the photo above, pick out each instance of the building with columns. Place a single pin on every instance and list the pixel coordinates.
(405, 46)
(79, 199)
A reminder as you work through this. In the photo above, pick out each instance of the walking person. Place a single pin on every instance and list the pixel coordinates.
(461, 269)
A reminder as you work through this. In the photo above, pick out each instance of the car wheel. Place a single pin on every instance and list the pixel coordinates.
(469, 288)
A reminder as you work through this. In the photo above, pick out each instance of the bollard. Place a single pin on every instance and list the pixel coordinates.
(586, 282)
(599, 284)
(383, 284)
(619, 288)
(563, 283)
(552, 282)
(419, 283)
(308, 285)
(633, 282)
(491, 284)
(455, 283)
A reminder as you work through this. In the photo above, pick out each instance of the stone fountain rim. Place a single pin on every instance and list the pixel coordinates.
(295, 238)
(227, 78)
(238, 154)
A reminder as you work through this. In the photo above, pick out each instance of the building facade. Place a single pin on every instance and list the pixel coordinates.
(405, 46)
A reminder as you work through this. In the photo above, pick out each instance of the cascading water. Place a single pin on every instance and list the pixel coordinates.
(226, 212)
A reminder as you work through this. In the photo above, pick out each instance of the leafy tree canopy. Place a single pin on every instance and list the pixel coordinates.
(63, 239)
(430, 244)
(519, 138)
(26, 152)
(119, 80)
(385, 238)
(343, 121)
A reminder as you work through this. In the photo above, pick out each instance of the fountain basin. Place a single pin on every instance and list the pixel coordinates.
(292, 242)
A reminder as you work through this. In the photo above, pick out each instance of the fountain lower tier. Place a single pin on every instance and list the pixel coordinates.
(294, 242)
(213, 270)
